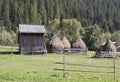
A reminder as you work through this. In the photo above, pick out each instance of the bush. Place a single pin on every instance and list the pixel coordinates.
(8, 38)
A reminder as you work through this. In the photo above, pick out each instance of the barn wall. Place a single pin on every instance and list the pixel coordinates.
(32, 43)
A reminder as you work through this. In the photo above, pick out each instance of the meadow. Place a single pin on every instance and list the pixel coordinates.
(40, 68)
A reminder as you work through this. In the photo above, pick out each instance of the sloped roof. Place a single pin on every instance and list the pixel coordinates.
(24, 28)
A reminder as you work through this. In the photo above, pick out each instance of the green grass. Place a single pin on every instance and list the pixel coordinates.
(40, 68)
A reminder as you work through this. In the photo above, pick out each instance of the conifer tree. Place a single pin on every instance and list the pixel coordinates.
(33, 11)
(56, 10)
(26, 11)
(6, 14)
(42, 11)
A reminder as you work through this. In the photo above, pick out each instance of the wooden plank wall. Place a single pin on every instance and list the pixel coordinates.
(31, 43)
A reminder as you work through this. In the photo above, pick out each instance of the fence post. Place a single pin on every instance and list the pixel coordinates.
(114, 68)
(64, 66)
(11, 50)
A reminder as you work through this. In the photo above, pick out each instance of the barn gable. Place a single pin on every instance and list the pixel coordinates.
(31, 39)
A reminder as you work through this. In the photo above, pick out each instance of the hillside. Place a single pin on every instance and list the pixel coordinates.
(94, 20)
(105, 13)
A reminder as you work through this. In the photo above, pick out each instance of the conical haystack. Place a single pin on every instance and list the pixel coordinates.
(66, 44)
(79, 43)
(56, 43)
(109, 46)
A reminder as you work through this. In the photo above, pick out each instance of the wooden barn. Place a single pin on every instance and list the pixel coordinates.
(31, 39)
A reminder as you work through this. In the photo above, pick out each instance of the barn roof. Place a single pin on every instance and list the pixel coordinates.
(24, 28)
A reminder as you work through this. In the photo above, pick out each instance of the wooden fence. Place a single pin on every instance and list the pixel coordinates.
(64, 63)
(8, 49)
(71, 51)
(15, 50)
(105, 54)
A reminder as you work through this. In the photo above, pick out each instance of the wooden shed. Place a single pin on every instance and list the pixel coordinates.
(31, 39)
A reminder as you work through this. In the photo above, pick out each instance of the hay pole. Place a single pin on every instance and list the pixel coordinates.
(11, 50)
(114, 67)
(64, 68)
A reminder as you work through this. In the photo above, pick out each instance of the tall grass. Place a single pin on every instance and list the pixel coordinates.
(40, 68)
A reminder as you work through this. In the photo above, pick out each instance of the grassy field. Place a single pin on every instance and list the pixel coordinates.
(40, 68)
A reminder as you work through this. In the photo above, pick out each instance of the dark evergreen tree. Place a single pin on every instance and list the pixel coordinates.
(6, 14)
(42, 11)
(20, 12)
(26, 11)
(33, 11)
(56, 10)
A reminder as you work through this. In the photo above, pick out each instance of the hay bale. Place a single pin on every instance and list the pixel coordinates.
(109, 46)
(79, 43)
(66, 44)
(56, 43)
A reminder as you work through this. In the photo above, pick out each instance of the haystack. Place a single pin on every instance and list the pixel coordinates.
(56, 44)
(66, 44)
(109, 46)
(107, 50)
(79, 43)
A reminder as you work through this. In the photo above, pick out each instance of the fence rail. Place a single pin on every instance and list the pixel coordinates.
(107, 54)
(8, 49)
(71, 51)
(84, 71)
(64, 63)
(85, 65)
